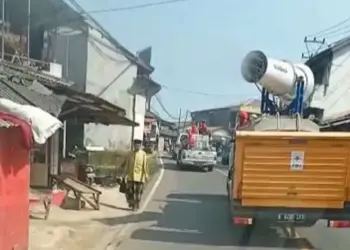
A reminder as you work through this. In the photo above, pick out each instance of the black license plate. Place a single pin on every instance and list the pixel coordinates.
(291, 217)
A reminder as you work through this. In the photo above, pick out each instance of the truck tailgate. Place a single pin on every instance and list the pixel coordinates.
(275, 173)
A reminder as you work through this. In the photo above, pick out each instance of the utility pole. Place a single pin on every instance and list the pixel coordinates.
(184, 125)
(178, 124)
(308, 41)
(66, 71)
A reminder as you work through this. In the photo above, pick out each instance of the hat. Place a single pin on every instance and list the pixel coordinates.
(137, 141)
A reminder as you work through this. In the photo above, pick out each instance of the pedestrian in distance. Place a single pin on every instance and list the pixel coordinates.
(194, 128)
(203, 128)
(136, 174)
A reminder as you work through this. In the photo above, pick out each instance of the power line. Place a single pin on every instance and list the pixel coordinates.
(339, 35)
(335, 31)
(339, 29)
(134, 7)
(155, 112)
(199, 92)
(164, 109)
(331, 27)
(59, 11)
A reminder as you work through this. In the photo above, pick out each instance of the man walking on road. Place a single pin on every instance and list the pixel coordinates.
(136, 173)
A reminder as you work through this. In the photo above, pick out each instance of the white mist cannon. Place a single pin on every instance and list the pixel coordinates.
(278, 77)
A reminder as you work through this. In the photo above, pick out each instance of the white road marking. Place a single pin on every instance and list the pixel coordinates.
(154, 188)
(221, 172)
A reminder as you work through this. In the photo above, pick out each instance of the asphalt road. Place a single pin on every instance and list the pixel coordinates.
(189, 210)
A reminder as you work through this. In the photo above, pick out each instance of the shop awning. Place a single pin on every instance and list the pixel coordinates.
(84, 107)
(88, 108)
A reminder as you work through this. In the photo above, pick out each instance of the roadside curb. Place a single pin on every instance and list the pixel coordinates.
(111, 238)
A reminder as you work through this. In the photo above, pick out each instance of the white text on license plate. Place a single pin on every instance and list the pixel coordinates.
(291, 217)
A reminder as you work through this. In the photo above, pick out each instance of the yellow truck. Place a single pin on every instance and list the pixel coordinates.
(288, 175)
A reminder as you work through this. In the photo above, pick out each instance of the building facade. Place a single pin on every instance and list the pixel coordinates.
(99, 65)
(220, 117)
(331, 71)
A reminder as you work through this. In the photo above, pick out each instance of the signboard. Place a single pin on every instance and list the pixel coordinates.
(296, 160)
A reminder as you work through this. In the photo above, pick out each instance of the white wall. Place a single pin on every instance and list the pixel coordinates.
(104, 65)
(140, 116)
(71, 52)
(336, 101)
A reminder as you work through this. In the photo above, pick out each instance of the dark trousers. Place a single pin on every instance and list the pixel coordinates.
(134, 193)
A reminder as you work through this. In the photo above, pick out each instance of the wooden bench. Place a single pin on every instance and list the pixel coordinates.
(81, 191)
(39, 197)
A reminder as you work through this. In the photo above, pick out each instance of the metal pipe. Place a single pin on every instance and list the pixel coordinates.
(28, 27)
(64, 148)
(3, 31)
(184, 125)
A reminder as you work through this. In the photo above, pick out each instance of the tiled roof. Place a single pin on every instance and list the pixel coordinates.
(9, 93)
(30, 86)
(30, 95)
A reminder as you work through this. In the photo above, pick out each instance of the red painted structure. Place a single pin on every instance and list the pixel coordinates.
(14, 184)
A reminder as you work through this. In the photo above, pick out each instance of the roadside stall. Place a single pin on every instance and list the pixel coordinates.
(19, 125)
(14, 183)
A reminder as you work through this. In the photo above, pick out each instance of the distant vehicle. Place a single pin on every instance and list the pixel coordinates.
(202, 155)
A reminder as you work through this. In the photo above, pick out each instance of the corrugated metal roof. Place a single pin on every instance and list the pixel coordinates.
(23, 95)
(6, 124)
(252, 101)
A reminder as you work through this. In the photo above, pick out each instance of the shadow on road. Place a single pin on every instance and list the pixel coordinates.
(114, 207)
(167, 157)
(196, 219)
(171, 166)
(223, 167)
(203, 219)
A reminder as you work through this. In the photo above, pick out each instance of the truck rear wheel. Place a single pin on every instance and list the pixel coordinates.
(210, 168)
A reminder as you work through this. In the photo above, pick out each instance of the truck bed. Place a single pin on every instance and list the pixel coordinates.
(292, 169)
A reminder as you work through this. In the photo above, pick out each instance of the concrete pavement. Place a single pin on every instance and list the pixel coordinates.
(189, 210)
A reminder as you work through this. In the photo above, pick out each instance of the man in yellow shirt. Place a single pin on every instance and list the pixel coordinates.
(136, 173)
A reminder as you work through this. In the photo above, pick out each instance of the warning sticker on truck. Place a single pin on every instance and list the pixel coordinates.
(296, 160)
